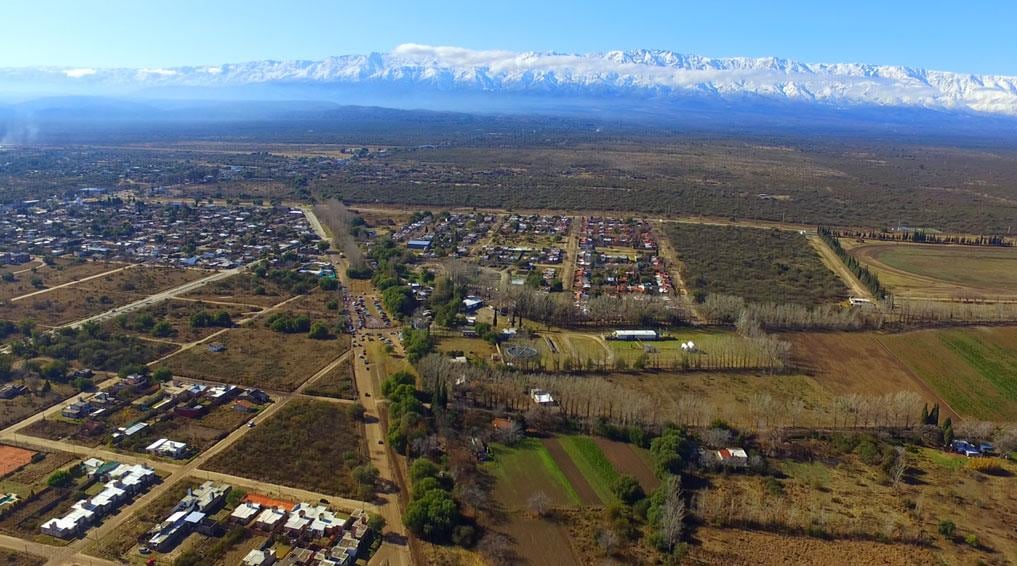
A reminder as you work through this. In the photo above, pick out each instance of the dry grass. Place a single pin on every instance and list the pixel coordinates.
(310, 445)
(259, 357)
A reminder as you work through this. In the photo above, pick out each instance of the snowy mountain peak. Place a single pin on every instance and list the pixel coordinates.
(656, 74)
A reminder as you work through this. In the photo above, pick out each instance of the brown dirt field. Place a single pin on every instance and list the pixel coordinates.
(730, 547)
(539, 542)
(627, 460)
(143, 281)
(52, 429)
(63, 305)
(260, 357)
(68, 304)
(63, 272)
(586, 494)
(338, 383)
(13, 458)
(854, 362)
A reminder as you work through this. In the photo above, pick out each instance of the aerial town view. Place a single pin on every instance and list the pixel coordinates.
(533, 300)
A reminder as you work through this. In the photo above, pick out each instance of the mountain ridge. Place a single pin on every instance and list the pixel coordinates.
(636, 74)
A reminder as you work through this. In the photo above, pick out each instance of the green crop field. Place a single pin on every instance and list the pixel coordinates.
(971, 369)
(525, 469)
(593, 464)
(940, 271)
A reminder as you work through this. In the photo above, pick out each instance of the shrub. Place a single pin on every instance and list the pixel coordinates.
(986, 466)
(947, 528)
(59, 478)
(628, 490)
(423, 468)
(433, 516)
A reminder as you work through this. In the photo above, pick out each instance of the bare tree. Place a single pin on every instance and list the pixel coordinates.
(671, 516)
(497, 549)
(899, 468)
(539, 504)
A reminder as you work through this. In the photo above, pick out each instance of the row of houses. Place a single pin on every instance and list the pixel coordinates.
(319, 536)
(123, 482)
(190, 514)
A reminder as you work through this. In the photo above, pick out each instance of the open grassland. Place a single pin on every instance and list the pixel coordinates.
(972, 369)
(310, 445)
(31, 277)
(699, 397)
(938, 271)
(257, 356)
(739, 547)
(759, 265)
(525, 469)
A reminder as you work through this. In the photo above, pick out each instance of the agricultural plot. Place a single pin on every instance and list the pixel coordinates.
(308, 445)
(525, 469)
(759, 265)
(940, 271)
(259, 357)
(595, 469)
(845, 363)
(971, 369)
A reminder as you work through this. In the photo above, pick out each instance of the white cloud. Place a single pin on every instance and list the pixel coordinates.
(78, 73)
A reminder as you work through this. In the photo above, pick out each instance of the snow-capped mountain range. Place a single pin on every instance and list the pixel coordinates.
(642, 74)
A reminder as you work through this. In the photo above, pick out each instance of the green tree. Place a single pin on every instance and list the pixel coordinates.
(318, 331)
(433, 516)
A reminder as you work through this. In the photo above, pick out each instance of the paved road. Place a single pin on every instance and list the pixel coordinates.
(157, 297)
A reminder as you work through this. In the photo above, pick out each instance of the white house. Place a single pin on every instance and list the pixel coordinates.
(167, 448)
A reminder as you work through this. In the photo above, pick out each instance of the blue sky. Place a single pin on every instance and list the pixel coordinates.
(973, 36)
